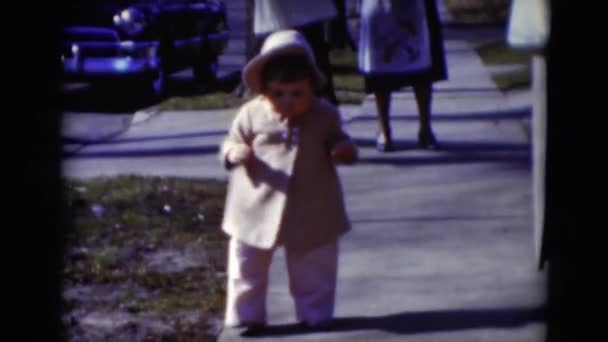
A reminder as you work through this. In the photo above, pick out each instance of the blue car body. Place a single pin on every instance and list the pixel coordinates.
(108, 40)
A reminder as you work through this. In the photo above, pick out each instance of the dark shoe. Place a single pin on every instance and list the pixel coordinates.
(384, 145)
(426, 139)
(320, 326)
(250, 328)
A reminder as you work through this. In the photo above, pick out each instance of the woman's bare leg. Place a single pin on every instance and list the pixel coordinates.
(424, 96)
(383, 104)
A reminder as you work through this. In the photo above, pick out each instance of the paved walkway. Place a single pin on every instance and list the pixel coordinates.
(441, 247)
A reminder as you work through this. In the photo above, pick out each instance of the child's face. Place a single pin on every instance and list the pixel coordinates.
(290, 99)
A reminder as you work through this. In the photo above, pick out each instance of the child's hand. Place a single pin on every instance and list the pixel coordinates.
(239, 154)
(344, 152)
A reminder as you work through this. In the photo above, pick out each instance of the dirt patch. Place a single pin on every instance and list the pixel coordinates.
(145, 260)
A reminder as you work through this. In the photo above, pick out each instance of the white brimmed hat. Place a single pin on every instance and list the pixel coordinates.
(278, 43)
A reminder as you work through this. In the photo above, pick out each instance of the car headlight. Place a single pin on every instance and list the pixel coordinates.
(131, 21)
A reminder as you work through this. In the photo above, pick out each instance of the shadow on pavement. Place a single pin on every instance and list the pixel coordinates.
(519, 113)
(519, 158)
(421, 322)
(216, 133)
(450, 152)
(467, 152)
(448, 146)
(138, 153)
(433, 218)
(86, 98)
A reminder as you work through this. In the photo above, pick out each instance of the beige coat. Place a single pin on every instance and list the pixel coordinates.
(290, 194)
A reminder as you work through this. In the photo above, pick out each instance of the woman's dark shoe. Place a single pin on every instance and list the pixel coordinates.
(383, 144)
(426, 139)
(320, 326)
(250, 328)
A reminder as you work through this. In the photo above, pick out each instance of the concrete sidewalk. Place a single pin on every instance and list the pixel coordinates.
(441, 247)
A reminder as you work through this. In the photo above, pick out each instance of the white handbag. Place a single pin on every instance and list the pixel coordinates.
(529, 24)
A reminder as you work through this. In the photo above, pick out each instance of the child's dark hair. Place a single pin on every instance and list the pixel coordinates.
(290, 68)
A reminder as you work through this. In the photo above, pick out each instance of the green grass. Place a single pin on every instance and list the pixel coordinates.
(349, 85)
(347, 82)
(344, 58)
(214, 100)
(513, 80)
(499, 53)
(116, 223)
(478, 11)
(496, 52)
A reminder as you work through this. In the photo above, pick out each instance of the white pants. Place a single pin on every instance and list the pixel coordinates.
(312, 283)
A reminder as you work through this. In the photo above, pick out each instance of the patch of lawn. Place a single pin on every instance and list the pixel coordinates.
(347, 82)
(499, 53)
(513, 80)
(478, 11)
(158, 235)
(214, 100)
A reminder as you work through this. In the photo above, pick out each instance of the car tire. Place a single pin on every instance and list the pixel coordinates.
(352, 20)
(205, 66)
(154, 87)
(158, 84)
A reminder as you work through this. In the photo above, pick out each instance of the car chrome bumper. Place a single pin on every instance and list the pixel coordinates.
(90, 60)
(100, 67)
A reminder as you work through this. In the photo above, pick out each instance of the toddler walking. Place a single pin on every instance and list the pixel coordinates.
(282, 150)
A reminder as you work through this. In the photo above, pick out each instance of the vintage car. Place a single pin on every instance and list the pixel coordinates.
(140, 42)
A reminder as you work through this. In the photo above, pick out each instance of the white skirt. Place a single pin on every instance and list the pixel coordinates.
(394, 37)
